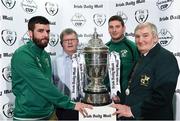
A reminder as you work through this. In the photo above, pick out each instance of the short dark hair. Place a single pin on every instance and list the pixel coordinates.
(35, 20)
(116, 17)
(67, 31)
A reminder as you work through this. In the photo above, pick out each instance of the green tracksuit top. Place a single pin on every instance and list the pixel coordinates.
(35, 94)
(128, 56)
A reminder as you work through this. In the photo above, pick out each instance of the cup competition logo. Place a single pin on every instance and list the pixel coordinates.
(78, 20)
(25, 38)
(165, 37)
(164, 4)
(29, 6)
(123, 16)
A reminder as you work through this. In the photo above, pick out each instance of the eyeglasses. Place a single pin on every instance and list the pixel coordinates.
(69, 40)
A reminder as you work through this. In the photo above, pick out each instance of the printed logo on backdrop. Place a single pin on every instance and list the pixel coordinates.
(6, 73)
(123, 16)
(8, 110)
(99, 19)
(78, 20)
(141, 15)
(25, 38)
(5, 17)
(54, 39)
(177, 54)
(29, 6)
(177, 91)
(164, 4)
(9, 37)
(9, 4)
(51, 8)
(165, 37)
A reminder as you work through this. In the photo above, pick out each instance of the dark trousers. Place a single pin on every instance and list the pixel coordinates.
(67, 114)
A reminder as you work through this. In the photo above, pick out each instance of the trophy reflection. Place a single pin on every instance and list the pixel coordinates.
(96, 53)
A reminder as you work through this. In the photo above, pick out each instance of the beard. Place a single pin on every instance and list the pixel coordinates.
(41, 43)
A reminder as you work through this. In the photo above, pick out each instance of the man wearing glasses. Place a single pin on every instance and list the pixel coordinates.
(62, 67)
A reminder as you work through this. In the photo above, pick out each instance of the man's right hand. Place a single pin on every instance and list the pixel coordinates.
(81, 108)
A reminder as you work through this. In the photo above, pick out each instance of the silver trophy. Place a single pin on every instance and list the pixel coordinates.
(96, 53)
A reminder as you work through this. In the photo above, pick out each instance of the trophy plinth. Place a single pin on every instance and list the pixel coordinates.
(96, 93)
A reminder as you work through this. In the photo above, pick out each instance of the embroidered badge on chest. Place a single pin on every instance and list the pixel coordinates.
(123, 53)
(145, 80)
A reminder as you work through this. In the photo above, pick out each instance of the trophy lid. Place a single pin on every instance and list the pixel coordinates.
(96, 43)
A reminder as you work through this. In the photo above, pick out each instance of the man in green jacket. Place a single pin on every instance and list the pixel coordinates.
(127, 50)
(36, 97)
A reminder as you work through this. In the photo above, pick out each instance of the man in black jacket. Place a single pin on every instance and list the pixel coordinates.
(153, 81)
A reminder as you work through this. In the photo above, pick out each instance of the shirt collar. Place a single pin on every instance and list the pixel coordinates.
(149, 50)
(117, 41)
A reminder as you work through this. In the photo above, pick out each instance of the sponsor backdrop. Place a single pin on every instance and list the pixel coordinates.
(83, 16)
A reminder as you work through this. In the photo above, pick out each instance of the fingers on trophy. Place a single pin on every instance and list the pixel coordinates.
(81, 107)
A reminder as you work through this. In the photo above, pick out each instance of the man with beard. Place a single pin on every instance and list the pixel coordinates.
(36, 97)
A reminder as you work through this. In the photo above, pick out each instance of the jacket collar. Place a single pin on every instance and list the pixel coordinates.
(34, 48)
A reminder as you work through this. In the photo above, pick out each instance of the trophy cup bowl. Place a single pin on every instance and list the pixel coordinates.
(96, 93)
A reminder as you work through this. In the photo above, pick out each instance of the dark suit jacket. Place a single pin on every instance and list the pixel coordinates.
(153, 85)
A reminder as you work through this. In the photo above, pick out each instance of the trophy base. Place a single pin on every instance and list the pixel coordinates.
(97, 99)
(99, 113)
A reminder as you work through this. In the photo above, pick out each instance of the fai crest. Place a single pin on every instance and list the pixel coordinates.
(8, 3)
(141, 15)
(99, 19)
(123, 16)
(124, 53)
(8, 110)
(51, 8)
(9, 37)
(6, 73)
(54, 39)
(165, 37)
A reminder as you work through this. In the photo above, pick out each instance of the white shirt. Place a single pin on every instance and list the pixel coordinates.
(62, 72)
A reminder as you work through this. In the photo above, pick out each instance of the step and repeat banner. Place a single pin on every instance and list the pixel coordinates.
(83, 16)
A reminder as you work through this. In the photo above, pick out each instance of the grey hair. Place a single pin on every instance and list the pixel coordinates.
(147, 24)
(67, 31)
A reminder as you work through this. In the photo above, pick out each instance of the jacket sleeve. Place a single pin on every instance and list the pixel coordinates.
(26, 66)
